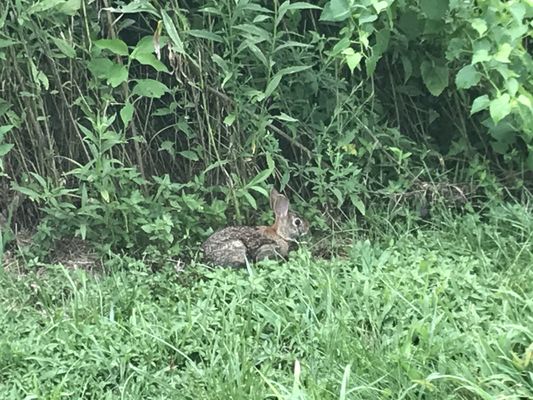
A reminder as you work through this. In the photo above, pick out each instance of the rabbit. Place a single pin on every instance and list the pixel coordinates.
(233, 246)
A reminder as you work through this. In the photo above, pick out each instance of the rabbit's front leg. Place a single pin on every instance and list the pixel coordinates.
(268, 251)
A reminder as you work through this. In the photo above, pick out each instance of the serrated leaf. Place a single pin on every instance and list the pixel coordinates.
(500, 107)
(467, 77)
(435, 77)
(479, 104)
(65, 47)
(116, 46)
(336, 11)
(126, 113)
(479, 25)
(150, 88)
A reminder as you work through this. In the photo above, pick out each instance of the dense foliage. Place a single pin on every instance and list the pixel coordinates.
(173, 116)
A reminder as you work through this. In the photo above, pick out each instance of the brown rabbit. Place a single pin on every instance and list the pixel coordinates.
(235, 245)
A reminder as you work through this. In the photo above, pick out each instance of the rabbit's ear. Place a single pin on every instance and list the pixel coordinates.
(281, 206)
(274, 195)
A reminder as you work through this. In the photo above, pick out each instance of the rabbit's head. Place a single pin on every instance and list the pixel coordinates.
(288, 225)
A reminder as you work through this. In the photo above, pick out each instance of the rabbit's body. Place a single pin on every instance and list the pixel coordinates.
(235, 245)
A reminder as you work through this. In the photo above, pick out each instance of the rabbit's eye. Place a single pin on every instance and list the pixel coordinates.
(297, 221)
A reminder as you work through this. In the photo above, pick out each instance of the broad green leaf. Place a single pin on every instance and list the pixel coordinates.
(411, 25)
(335, 11)
(64, 47)
(6, 43)
(479, 104)
(5, 148)
(250, 199)
(500, 107)
(481, 50)
(380, 5)
(116, 75)
(70, 7)
(151, 60)
(254, 32)
(272, 85)
(479, 25)
(467, 77)
(135, 7)
(367, 18)
(116, 46)
(126, 113)
(352, 58)
(293, 70)
(512, 86)
(256, 51)
(504, 51)
(298, 5)
(99, 67)
(518, 11)
(5, 129)
(167, 146)
(284, 117)
(356, 201)
(203, 34)
(481, 55)
(172, 32)
(43, 5)
(525, 101)
(435, 77)
(189, 155)
(407, 68)
(434, 9)
(150, 88)
(229, 120)
(260, 177)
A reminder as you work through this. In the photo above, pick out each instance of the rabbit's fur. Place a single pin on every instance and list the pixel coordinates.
(235, 245)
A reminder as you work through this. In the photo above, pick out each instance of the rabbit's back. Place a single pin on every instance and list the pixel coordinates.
(233, 245)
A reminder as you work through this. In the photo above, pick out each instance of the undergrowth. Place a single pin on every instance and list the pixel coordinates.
(434, 313)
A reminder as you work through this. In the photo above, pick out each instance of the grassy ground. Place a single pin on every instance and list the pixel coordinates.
(441, 313)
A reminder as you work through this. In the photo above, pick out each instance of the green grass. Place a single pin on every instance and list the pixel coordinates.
(442, 313)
